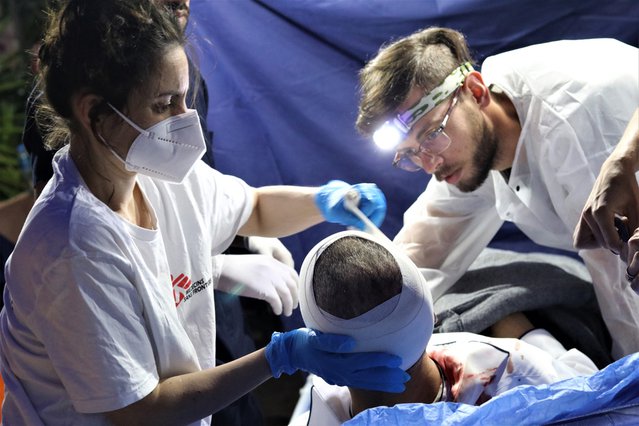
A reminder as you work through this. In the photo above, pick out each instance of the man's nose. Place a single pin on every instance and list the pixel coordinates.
(430, 162)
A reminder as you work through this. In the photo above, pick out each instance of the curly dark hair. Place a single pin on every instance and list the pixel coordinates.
(105, 47)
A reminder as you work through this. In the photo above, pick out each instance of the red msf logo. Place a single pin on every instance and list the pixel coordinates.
(181, 284)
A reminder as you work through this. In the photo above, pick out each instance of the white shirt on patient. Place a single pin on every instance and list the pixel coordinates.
(476, 368)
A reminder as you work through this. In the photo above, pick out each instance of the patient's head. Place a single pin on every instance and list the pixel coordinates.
(354, 284)
(357, 271)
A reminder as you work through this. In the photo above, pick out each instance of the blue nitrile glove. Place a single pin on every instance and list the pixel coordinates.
(330, 200)
(327, 356)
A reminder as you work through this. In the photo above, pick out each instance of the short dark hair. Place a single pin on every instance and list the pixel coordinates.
(423, 59)
(106, 47)
(353, 275)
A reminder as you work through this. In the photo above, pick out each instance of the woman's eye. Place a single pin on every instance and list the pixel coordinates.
(163, 107)
(166, 104)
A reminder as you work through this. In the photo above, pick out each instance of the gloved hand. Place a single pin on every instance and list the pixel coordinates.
(327, 355)
(270, 247)
(330, 200)
(260, 277)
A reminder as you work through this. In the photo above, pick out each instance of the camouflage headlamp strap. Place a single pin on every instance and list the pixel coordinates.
(435, 96)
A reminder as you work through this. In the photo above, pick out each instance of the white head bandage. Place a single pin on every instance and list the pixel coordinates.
(402, 325)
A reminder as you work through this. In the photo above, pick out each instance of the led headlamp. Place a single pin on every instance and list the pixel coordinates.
(394, 131)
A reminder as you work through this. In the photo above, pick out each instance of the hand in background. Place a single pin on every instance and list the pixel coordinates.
(260, 277)
(270, 247)
(615, 193)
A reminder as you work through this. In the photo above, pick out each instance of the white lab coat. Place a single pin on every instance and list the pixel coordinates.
(574, 100)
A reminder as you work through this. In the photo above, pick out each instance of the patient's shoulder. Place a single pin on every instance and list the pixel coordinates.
(330, 404)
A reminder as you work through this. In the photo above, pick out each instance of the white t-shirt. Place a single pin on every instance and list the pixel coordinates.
(574, 100)
(98, 310)
(476, 368)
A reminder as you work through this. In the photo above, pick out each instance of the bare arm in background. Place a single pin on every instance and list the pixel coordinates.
(615, 192)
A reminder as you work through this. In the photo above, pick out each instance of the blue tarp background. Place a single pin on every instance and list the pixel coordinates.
(282, 79)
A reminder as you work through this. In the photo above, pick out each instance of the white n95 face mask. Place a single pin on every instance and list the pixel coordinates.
(402, 325)
(168, 150)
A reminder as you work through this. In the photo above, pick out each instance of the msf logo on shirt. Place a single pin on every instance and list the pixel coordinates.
(181, 285)
(184, 288)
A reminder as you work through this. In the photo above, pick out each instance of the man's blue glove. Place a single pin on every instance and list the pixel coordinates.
(327, 356)
(330, 200)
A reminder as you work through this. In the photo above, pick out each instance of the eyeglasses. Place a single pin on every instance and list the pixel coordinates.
(433, 143)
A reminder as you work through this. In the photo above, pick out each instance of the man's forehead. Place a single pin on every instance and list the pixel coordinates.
(436, 96)
(414, 96)
(394, 130)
